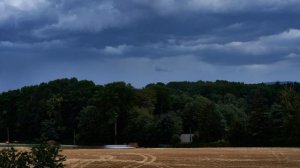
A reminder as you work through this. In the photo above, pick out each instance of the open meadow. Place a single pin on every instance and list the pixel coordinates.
(187, 157)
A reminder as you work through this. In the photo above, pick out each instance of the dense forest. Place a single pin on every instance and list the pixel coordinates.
(217, 113)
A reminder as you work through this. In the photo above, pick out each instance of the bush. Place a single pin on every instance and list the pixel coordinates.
(10, 158)
(47, 156)
(41, 156)
(219, 143)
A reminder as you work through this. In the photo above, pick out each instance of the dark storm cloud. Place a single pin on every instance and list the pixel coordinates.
(218, 34)
(264, 50)
(159, 69)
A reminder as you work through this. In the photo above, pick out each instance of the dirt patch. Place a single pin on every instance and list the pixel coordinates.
(177, 158)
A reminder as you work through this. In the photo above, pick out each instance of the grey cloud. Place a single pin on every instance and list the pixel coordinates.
(159, 69)
(118, 50)
(18, 10)
(58, 19)
(141, 37)
(89, 16)
(219, 6)
(95, 15)
(263, 50)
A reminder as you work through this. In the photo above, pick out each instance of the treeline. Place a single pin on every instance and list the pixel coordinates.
(221, 112)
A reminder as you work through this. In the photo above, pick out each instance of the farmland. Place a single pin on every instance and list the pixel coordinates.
(170, 157)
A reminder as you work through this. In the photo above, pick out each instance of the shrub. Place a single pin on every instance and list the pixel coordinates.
(47, 156)
(41, 156)
(10, 158)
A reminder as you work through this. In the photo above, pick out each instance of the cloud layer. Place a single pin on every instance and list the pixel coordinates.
(143, 41)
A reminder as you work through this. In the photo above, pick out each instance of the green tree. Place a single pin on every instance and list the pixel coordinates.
(168, 128)
(238, 133)
(259, 119)
(163, 99)
(203, 118)
(141, 126)
(277, 123)
(93, 127)
(235, 121)
(290, 101)
(116, 100)
(49, 130)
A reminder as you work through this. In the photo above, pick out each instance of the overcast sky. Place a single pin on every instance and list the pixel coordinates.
(145, 41)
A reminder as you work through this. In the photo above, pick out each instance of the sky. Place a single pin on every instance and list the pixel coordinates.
(147, 41)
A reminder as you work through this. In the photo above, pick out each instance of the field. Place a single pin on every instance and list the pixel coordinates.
(169, 158)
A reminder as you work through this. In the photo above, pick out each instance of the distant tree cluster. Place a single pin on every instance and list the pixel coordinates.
(235, 114)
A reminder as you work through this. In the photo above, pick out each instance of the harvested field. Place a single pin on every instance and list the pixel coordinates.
(177, 158)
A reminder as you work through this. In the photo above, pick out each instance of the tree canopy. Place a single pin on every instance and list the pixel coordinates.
(236, 113)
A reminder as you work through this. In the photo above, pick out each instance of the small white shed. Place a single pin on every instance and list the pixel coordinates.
(186, 138)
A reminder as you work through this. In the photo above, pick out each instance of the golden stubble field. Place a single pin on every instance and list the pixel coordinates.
(187, 157)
